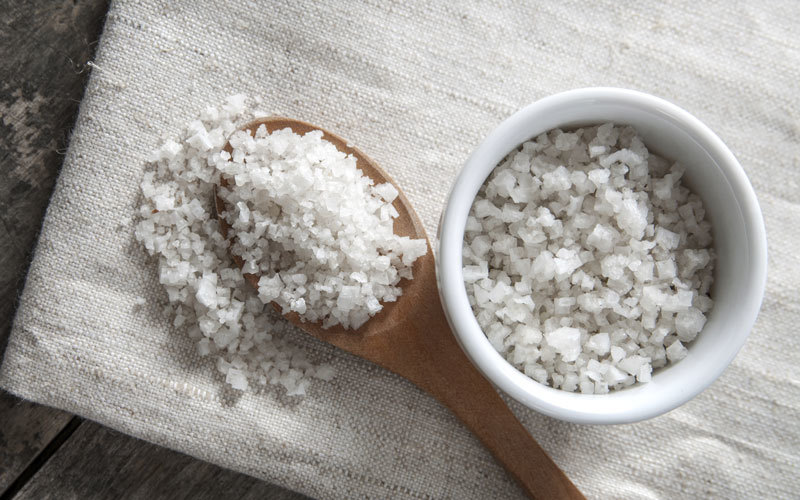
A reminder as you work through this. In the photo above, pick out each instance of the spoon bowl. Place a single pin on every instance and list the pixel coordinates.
(411, 338)
(406, 224)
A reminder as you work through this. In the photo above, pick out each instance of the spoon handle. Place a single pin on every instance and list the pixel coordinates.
(433, 360)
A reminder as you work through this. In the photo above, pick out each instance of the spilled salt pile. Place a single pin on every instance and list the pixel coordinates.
(208, 296)
(586, 261)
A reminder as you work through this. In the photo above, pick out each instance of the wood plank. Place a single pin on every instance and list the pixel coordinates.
(26, 430)
(97, 462)
(44, 46)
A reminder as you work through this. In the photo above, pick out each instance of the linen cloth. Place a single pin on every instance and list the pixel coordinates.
(416, 85)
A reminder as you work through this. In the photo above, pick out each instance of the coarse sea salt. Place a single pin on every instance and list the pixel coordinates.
(315, 228)
(586, 261)
(209, 299)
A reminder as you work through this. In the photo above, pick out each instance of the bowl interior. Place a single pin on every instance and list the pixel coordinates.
(711, 171)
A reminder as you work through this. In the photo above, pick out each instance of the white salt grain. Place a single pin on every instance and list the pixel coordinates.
(584, 256)
(599, 343)
(676, 351)
(237, 379)
(688, 323)
(566, 341)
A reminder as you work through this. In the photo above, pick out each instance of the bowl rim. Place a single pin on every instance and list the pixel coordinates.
(576, 407)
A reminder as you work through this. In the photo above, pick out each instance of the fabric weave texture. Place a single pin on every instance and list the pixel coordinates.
(416, 85)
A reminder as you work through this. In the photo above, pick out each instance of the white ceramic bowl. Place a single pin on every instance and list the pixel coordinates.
(739, 239)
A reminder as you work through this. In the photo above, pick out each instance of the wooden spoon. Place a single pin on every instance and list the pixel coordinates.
(412, 338)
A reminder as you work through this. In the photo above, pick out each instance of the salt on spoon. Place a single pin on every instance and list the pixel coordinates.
(411, 337)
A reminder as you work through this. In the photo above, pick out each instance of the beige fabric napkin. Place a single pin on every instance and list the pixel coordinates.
(416, 85)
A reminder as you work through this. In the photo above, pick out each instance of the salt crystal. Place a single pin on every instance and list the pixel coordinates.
(566, 342)
(386, 191)
(689, 323)
(203, 347)
(666, 238)
(474, 273)
(617, 354)
(566, 261)
(676, 351)
(666, 269)
(595, 151)
(566, 141)
(599, 343)
(237, 379)
(602, 238)
(595, 235)
(207, 293)
(632, 218)
(614, 376)
(563, 305)
(633, 364)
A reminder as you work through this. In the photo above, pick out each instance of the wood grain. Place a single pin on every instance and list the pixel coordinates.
(97, 462)
(411, 337)
(44, 46)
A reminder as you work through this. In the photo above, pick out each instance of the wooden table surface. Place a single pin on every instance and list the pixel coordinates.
(46, 453)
